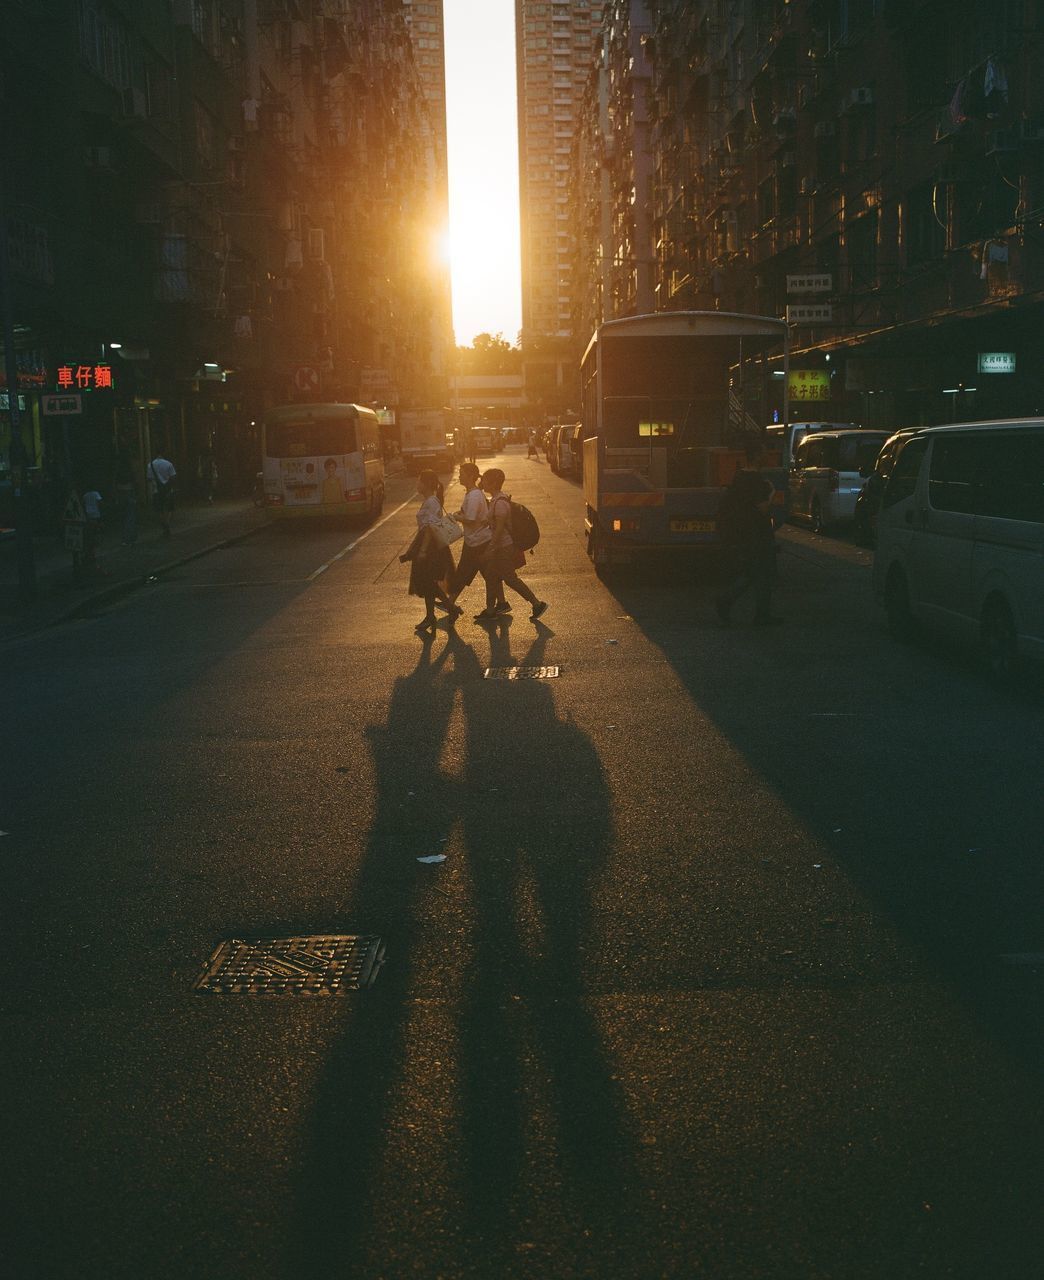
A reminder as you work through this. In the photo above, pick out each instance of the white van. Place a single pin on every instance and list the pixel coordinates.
(960, 538)
(828, 473)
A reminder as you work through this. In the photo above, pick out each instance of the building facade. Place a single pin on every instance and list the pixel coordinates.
(211, 206)
(555, 45)
(873, 170)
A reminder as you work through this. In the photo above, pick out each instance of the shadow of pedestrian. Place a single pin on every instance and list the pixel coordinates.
(537, 822)
(350, 1115)
(538, 1113)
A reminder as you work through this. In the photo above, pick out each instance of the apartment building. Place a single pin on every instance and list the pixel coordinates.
(555, 45)
(211, 206)
(426, 26)
(874, 171)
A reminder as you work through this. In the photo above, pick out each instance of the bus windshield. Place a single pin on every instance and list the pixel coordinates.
(310, 438)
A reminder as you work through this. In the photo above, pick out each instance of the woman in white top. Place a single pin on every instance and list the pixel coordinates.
(478, 536)
(432, 561)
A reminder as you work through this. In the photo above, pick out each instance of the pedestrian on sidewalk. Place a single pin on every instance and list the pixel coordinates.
(92, 529)
(127, 493)
(207, 473)
(748, 537)
(474, 517)
(162, 475)
(505, 559)
(431, 560)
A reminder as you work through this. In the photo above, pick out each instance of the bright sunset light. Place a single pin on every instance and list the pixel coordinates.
(483, 168)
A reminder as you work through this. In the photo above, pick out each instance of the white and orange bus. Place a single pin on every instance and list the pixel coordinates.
(322, 460)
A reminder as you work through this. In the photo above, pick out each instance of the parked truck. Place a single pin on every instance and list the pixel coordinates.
(422, 436)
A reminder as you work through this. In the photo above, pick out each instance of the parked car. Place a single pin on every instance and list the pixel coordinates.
(960, 538)
(868, 504)
(560, 455)
(828, 471)
(576, 446)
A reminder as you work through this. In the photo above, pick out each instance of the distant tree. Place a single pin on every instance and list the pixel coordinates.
(490, 353)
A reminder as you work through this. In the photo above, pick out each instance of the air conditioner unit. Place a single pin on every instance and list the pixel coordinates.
(236, 144)
(135, 103)
(825, 129)
(1001, 142)
(316, 244)
(859, 98)
(1029, 131)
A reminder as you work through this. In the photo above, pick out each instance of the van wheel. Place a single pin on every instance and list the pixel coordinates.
(817, 517)
(902, 626)
(997, 638)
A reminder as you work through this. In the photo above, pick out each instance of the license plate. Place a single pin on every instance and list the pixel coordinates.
(692, 526)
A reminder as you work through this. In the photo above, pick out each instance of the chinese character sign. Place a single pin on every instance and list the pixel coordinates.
(808, 384)
(85, 377)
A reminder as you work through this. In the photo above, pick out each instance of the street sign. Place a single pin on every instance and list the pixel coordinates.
(820, 282)
(996, 361)
(810, 313)
(60, 406)
(306, 377)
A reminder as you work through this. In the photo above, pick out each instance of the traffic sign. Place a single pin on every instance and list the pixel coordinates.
(306, 377)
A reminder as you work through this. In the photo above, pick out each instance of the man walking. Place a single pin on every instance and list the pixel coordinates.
(474, 518)
(747, 534)
(161, 476)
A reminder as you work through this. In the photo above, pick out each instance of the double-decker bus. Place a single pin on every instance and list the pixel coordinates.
(322, 460)
(673, 404)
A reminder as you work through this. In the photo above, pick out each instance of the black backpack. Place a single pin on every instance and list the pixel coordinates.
(525, 532)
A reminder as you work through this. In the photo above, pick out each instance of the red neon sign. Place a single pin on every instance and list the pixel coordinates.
(85, 377)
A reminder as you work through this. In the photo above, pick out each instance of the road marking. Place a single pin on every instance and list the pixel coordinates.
(362, 536)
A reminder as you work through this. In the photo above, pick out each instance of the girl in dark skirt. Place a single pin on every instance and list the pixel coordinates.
(431, 561)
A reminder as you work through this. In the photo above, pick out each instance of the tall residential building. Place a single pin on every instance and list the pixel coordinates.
(556, 47)
(426, 25)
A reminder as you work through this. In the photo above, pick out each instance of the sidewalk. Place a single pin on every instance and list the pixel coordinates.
(196, 529)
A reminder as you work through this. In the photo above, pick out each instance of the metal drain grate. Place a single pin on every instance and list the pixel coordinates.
(522, 673)
(311, 965)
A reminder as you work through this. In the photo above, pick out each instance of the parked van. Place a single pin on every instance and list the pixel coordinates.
(828, 471)
(960, 538)
(779, 442)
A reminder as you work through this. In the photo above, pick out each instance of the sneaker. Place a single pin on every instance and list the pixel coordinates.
(502, 608)
(487, 615)
(539, 608)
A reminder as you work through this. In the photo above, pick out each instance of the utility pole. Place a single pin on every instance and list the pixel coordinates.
(20, 460)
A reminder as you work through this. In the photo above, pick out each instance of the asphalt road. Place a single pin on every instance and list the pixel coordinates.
(729, 970)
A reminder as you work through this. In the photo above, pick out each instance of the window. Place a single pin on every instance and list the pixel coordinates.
(1013, 476)
(955, 472)
(925, 234)
(903, 480)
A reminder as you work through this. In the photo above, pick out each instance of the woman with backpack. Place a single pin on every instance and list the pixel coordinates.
(504, 557)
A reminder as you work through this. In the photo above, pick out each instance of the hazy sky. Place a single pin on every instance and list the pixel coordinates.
(483, 168)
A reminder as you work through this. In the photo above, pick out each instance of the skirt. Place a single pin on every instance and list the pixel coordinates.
(431, 572)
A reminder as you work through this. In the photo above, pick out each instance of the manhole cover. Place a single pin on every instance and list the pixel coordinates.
(522, 673)
(312, 965)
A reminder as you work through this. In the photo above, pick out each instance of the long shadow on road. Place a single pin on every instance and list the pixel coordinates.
(921, 778)
(533, 806)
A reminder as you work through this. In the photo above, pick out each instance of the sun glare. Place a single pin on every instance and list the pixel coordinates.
(483, 168)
